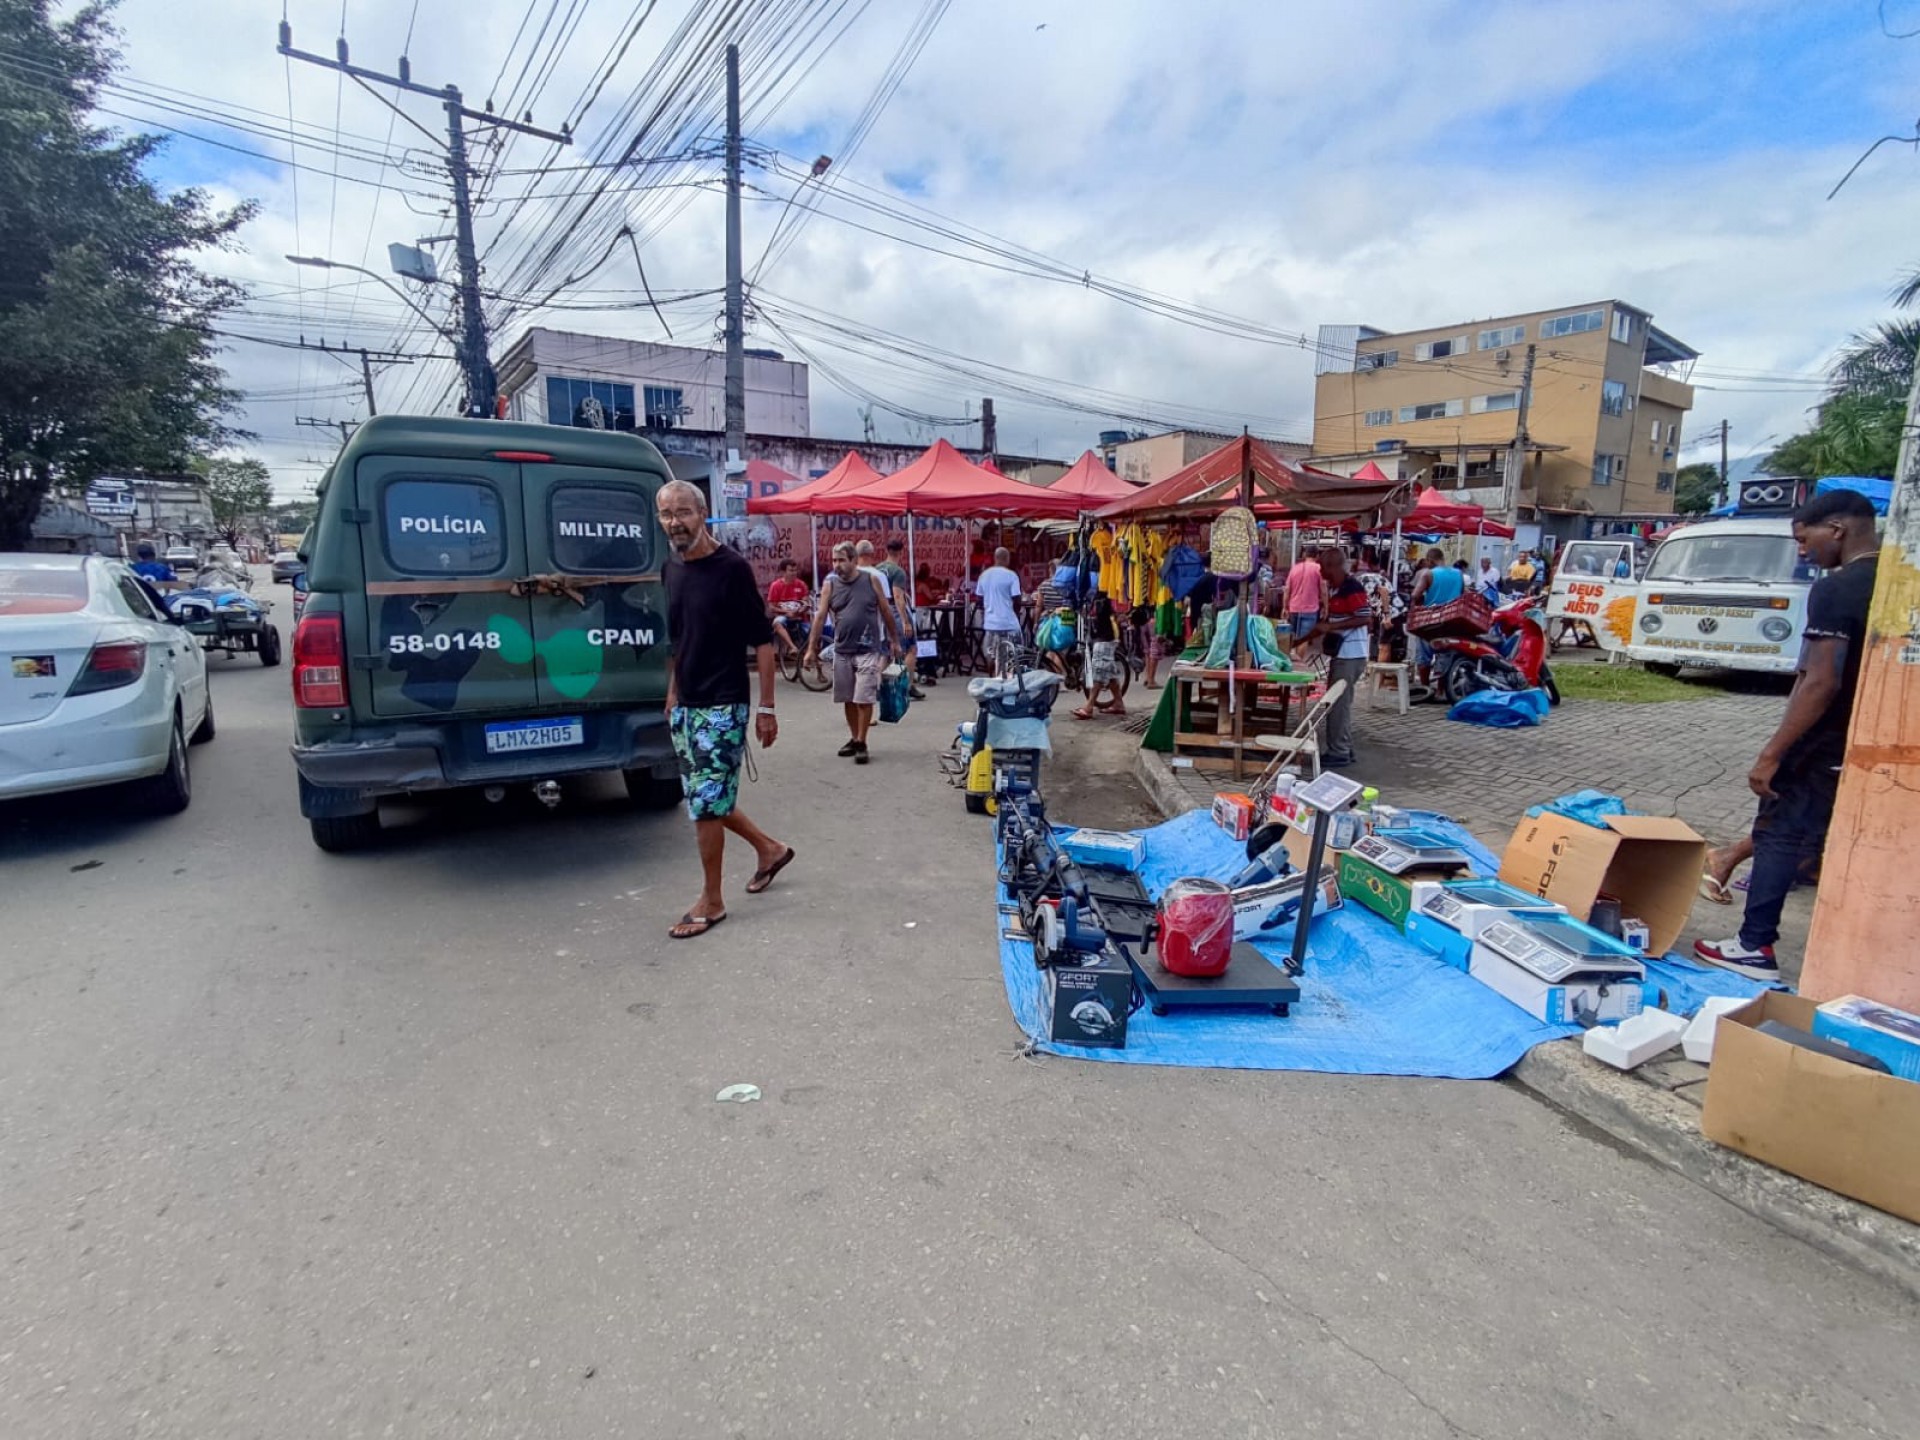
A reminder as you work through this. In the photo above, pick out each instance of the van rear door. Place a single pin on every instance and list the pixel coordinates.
(599, 613)
(444, 634)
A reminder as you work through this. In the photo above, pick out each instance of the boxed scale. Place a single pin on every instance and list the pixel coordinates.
(1559, 970)
(1887, 1034)
(1090, 1000)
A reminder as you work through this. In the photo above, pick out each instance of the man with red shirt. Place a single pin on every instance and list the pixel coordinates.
(788, 598)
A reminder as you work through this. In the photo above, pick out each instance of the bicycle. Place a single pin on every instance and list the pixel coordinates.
(792, 661)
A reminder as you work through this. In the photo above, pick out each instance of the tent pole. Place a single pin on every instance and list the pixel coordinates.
(813, 543)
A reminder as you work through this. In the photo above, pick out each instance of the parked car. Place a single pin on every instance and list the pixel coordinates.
(101, 687)
(485, 609)
(286, 565)
(182, 557)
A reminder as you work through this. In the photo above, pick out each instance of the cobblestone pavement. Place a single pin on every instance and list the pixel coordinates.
(1685, 758)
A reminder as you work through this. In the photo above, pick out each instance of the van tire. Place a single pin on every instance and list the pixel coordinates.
(342, 834)
(1662, 667)
(648, 791)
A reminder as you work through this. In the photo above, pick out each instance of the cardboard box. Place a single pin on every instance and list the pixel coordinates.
(1562, 1004)
(1233, 814)
(1443, 940)
(1852, 1130)
(1118, 848)
(1261, 910)
(1650, 864)
(1882, 1031)
(1090, 1001)
(1823, 1120)
(1388, 896)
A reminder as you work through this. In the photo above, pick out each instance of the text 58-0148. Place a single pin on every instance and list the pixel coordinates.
(443, 643)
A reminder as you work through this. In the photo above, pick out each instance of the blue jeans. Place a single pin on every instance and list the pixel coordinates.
(1789, 833)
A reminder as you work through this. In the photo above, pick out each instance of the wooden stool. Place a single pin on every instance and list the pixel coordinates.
(1401, 676)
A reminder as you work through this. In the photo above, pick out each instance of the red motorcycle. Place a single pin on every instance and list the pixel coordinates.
(1510, 656)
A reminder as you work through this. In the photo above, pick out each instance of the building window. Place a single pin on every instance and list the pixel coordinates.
(1664, 480)
(1482, 470)
(1379, 417)
(1501, 339)
(1433, 410)
(589, 404)
(664, 406)
(1623, 327)
(1379, 360)
(1613, 398)
(1656, 432)
(1572, 324)
(1440, 349)
(1603, 469)
(1505, 400)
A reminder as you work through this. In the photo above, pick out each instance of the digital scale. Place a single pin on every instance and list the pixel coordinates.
(1398, 851)
(1448, 916)
(1558, 969)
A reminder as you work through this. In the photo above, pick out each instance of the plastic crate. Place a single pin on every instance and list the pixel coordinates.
(1466, 618)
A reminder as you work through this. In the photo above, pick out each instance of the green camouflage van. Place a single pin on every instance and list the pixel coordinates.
(484, 609)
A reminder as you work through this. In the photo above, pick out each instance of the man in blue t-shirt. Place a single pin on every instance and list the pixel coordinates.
(999, 590)
(1438, 584)
(149, 567)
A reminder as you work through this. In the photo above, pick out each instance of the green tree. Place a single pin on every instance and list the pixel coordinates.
(238, 491)
(1696, 488)
(106, 344)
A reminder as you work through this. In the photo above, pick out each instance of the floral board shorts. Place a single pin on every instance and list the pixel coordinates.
(711, 742)
(856, 678)
(1103, 663)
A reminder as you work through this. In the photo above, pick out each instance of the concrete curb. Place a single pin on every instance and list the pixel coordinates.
(1664, 1128)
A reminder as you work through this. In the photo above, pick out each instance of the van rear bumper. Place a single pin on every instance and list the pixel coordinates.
(439, 757)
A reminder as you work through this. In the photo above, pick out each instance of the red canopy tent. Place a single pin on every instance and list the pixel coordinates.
(1371, 471)
(852, 473)
(943, 482)
(1434, 513)
(1281, 489)
(1091, 483)
(765, 472)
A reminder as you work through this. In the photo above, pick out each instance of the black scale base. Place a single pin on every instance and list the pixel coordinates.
(1250, 979)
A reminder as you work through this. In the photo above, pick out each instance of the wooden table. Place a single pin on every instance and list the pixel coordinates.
(1217, 735)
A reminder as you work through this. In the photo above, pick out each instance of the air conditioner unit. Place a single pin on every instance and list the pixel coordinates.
(1503, 356)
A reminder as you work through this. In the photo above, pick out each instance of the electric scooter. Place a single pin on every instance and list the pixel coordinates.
(1511, 656)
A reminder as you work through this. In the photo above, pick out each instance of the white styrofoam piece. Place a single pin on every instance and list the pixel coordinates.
(1636, 1041)
(1698, 1041)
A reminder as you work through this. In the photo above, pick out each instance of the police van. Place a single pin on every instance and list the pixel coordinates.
(1728, 592)
(485, 609)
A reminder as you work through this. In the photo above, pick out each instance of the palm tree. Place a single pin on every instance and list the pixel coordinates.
(1879, 361)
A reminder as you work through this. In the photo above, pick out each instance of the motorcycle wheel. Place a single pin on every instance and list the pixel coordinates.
(1459, 681)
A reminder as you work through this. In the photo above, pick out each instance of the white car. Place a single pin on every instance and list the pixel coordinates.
(100, 687)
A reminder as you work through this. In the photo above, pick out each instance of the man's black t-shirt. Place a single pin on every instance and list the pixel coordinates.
(1837, 610)
(715, 616)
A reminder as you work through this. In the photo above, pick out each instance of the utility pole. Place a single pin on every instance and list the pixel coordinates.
(1725, 492)
(475, 366)
(1517, 452)
(736, 392)
(367, 361)
(989, 432)
(347, 427)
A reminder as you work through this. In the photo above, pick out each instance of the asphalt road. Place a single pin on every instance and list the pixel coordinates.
(424, 1143)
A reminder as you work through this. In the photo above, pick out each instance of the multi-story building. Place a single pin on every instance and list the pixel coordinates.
(564, 378)
(1144, 459)
(1607, 405)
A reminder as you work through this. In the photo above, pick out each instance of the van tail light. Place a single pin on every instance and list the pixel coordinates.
(320, 663)
(112, 666)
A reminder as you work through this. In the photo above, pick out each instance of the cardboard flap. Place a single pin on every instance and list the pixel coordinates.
(1651, 827)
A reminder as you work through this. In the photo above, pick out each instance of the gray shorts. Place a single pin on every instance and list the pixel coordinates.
(856, 678)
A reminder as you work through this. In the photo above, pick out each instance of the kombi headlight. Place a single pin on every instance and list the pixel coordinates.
(1776, 628)
(1650, 622)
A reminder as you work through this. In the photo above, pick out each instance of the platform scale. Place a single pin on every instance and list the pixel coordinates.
(1559, 969)
(1250, 977)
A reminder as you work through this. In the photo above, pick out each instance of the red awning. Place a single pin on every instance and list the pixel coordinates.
(852, 473)
(1091, 483)
(944, 482)
(765, 472)
(1281, 489)
(1434, 513)
(1373, 472)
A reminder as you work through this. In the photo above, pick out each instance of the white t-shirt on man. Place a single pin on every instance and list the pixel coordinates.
(998, 588)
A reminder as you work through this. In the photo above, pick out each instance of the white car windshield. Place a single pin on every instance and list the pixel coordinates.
(1772, 558)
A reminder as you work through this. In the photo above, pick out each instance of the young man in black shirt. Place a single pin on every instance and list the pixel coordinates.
(714, 617)
(1798, 772)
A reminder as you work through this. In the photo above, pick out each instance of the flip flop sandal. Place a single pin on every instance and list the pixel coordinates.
(705, 922)
(1713, 890)
(763, 878)
(1081, 714)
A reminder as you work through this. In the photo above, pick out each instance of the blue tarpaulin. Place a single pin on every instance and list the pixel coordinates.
(1371, 1002)
(1880, 492)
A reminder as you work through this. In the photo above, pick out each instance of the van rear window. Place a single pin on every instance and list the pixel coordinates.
(601, 530)
(444, 527)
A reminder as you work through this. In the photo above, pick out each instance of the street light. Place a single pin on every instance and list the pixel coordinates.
(317, 262)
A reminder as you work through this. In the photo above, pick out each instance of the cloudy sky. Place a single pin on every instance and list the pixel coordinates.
(1052, 177)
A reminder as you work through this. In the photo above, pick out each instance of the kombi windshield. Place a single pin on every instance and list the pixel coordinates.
(1773, 558)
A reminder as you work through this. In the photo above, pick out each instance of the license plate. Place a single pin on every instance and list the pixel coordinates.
(510, 735)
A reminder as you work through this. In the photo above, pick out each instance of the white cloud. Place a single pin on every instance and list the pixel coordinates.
(1381, 162)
